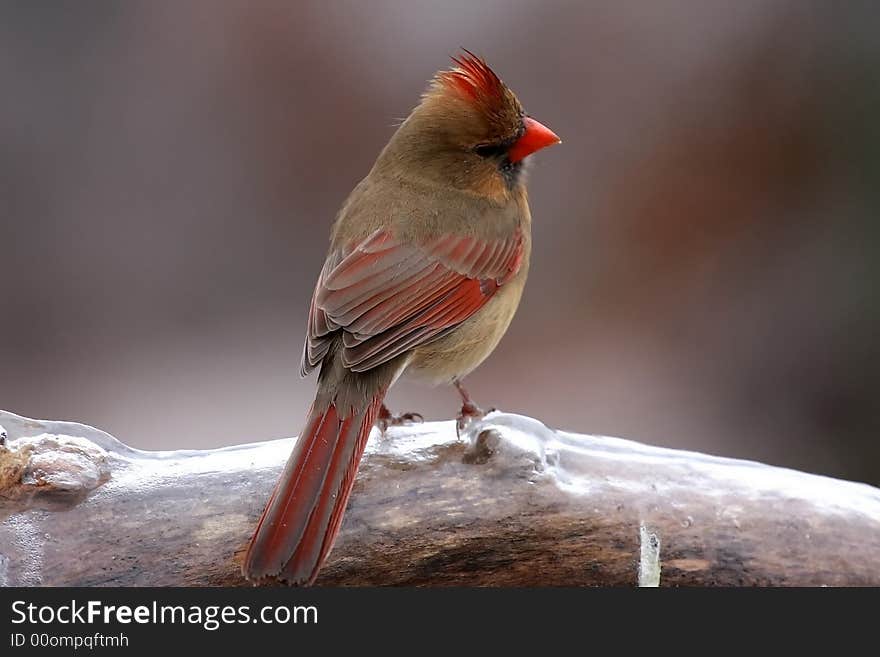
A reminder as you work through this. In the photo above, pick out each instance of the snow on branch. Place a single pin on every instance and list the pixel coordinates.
(511, 503)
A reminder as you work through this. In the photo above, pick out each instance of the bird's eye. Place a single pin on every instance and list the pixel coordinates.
(491, 150)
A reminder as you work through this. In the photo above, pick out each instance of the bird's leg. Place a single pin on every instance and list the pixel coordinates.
(469, 410)
(386, 418)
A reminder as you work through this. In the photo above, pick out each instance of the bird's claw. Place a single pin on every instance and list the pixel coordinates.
(387, 419)
(469, 411)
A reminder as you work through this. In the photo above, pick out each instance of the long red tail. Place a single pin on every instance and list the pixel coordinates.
(304, 513)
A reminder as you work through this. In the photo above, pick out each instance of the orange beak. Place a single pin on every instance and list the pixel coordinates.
(535, 137)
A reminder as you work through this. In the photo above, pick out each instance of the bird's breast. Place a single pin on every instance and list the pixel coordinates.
(460, 351)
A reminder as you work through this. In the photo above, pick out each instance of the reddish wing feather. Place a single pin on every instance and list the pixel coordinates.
(389, 297)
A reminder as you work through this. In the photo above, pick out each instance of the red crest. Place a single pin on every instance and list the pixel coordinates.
(473, 78)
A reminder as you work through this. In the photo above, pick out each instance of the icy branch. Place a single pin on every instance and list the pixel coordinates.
(513, 503)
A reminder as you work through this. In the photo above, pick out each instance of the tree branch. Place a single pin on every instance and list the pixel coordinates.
(513, 503)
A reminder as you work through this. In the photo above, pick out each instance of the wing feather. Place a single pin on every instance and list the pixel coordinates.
(388, 297)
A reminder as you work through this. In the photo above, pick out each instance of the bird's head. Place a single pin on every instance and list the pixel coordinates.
(470, 131)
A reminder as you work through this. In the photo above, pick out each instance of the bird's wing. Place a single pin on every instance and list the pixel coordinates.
(388, 297)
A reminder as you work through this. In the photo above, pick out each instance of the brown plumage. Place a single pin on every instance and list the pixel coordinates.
(427, 262)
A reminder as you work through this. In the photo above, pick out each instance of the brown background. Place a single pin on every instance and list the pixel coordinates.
(705, 237)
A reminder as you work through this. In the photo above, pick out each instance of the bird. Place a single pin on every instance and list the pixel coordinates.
(427, 262)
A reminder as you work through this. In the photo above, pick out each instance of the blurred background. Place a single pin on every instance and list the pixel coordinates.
(706, 238)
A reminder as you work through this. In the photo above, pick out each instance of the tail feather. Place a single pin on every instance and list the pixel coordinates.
(301, 520)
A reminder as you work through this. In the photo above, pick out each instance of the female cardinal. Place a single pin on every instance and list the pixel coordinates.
(428, 259)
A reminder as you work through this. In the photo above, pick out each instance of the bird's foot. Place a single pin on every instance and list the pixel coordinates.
(386, 418)
(469, 411)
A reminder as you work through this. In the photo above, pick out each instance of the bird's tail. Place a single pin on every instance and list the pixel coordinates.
(303, 515)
